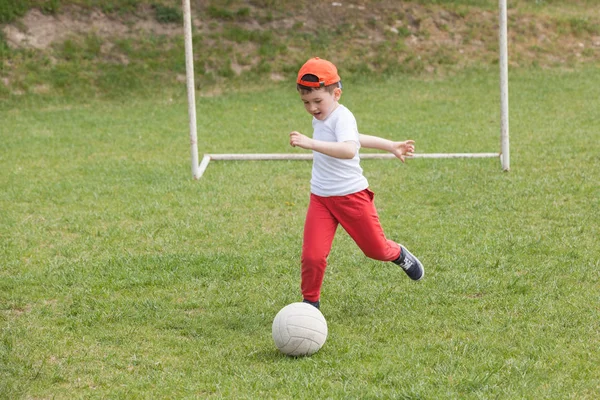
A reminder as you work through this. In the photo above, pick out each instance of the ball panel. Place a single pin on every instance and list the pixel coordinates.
(295, 347)
(307, 333)
(314, 347)
(282, 330)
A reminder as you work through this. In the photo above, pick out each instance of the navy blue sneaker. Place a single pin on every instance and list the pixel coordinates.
(410, 264)
(313, 303)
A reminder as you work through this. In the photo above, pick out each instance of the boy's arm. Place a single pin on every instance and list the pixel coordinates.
(374, 142)
(345, 150)
(399, 149)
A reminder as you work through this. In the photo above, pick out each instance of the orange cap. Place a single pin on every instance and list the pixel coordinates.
(322, 69)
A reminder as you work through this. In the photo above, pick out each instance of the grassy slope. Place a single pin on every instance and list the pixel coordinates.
(259, 41)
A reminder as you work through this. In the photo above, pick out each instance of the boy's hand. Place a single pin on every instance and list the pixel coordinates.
(403, 149)
(300, 140)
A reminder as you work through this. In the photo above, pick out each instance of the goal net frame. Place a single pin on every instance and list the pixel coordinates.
(198, 168)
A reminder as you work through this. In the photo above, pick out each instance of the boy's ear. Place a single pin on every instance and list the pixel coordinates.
(337, 93)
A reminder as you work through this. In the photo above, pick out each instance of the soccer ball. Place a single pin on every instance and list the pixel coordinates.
(299, 329)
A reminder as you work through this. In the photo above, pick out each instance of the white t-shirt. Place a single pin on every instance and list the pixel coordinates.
(333, 176)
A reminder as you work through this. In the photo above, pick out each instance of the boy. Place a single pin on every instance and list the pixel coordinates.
(339, 191)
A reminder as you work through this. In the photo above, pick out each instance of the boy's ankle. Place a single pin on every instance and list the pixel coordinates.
(316, 304)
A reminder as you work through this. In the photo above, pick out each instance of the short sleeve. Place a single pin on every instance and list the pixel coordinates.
(346, 129)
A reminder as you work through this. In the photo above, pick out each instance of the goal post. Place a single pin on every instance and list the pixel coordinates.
(191, 87)
(503, 61)
(198, 169)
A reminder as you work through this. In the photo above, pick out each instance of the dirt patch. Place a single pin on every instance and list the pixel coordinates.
(39, 31)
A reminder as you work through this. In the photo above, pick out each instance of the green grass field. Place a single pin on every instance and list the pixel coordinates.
(123, 278)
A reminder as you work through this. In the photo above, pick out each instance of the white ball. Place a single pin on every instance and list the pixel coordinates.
(299, 329)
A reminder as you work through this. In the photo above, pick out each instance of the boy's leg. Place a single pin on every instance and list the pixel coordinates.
(319, 231)
(358, 216)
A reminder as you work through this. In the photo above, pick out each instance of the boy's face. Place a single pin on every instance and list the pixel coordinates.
(320, 103)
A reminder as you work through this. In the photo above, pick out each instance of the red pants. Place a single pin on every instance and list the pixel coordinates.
(358, 216)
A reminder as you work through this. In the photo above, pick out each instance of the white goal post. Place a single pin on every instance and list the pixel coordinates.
(503, 61)
(198, 169)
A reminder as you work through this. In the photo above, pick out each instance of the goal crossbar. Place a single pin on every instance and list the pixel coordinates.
(308, 156)
(198, 169)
